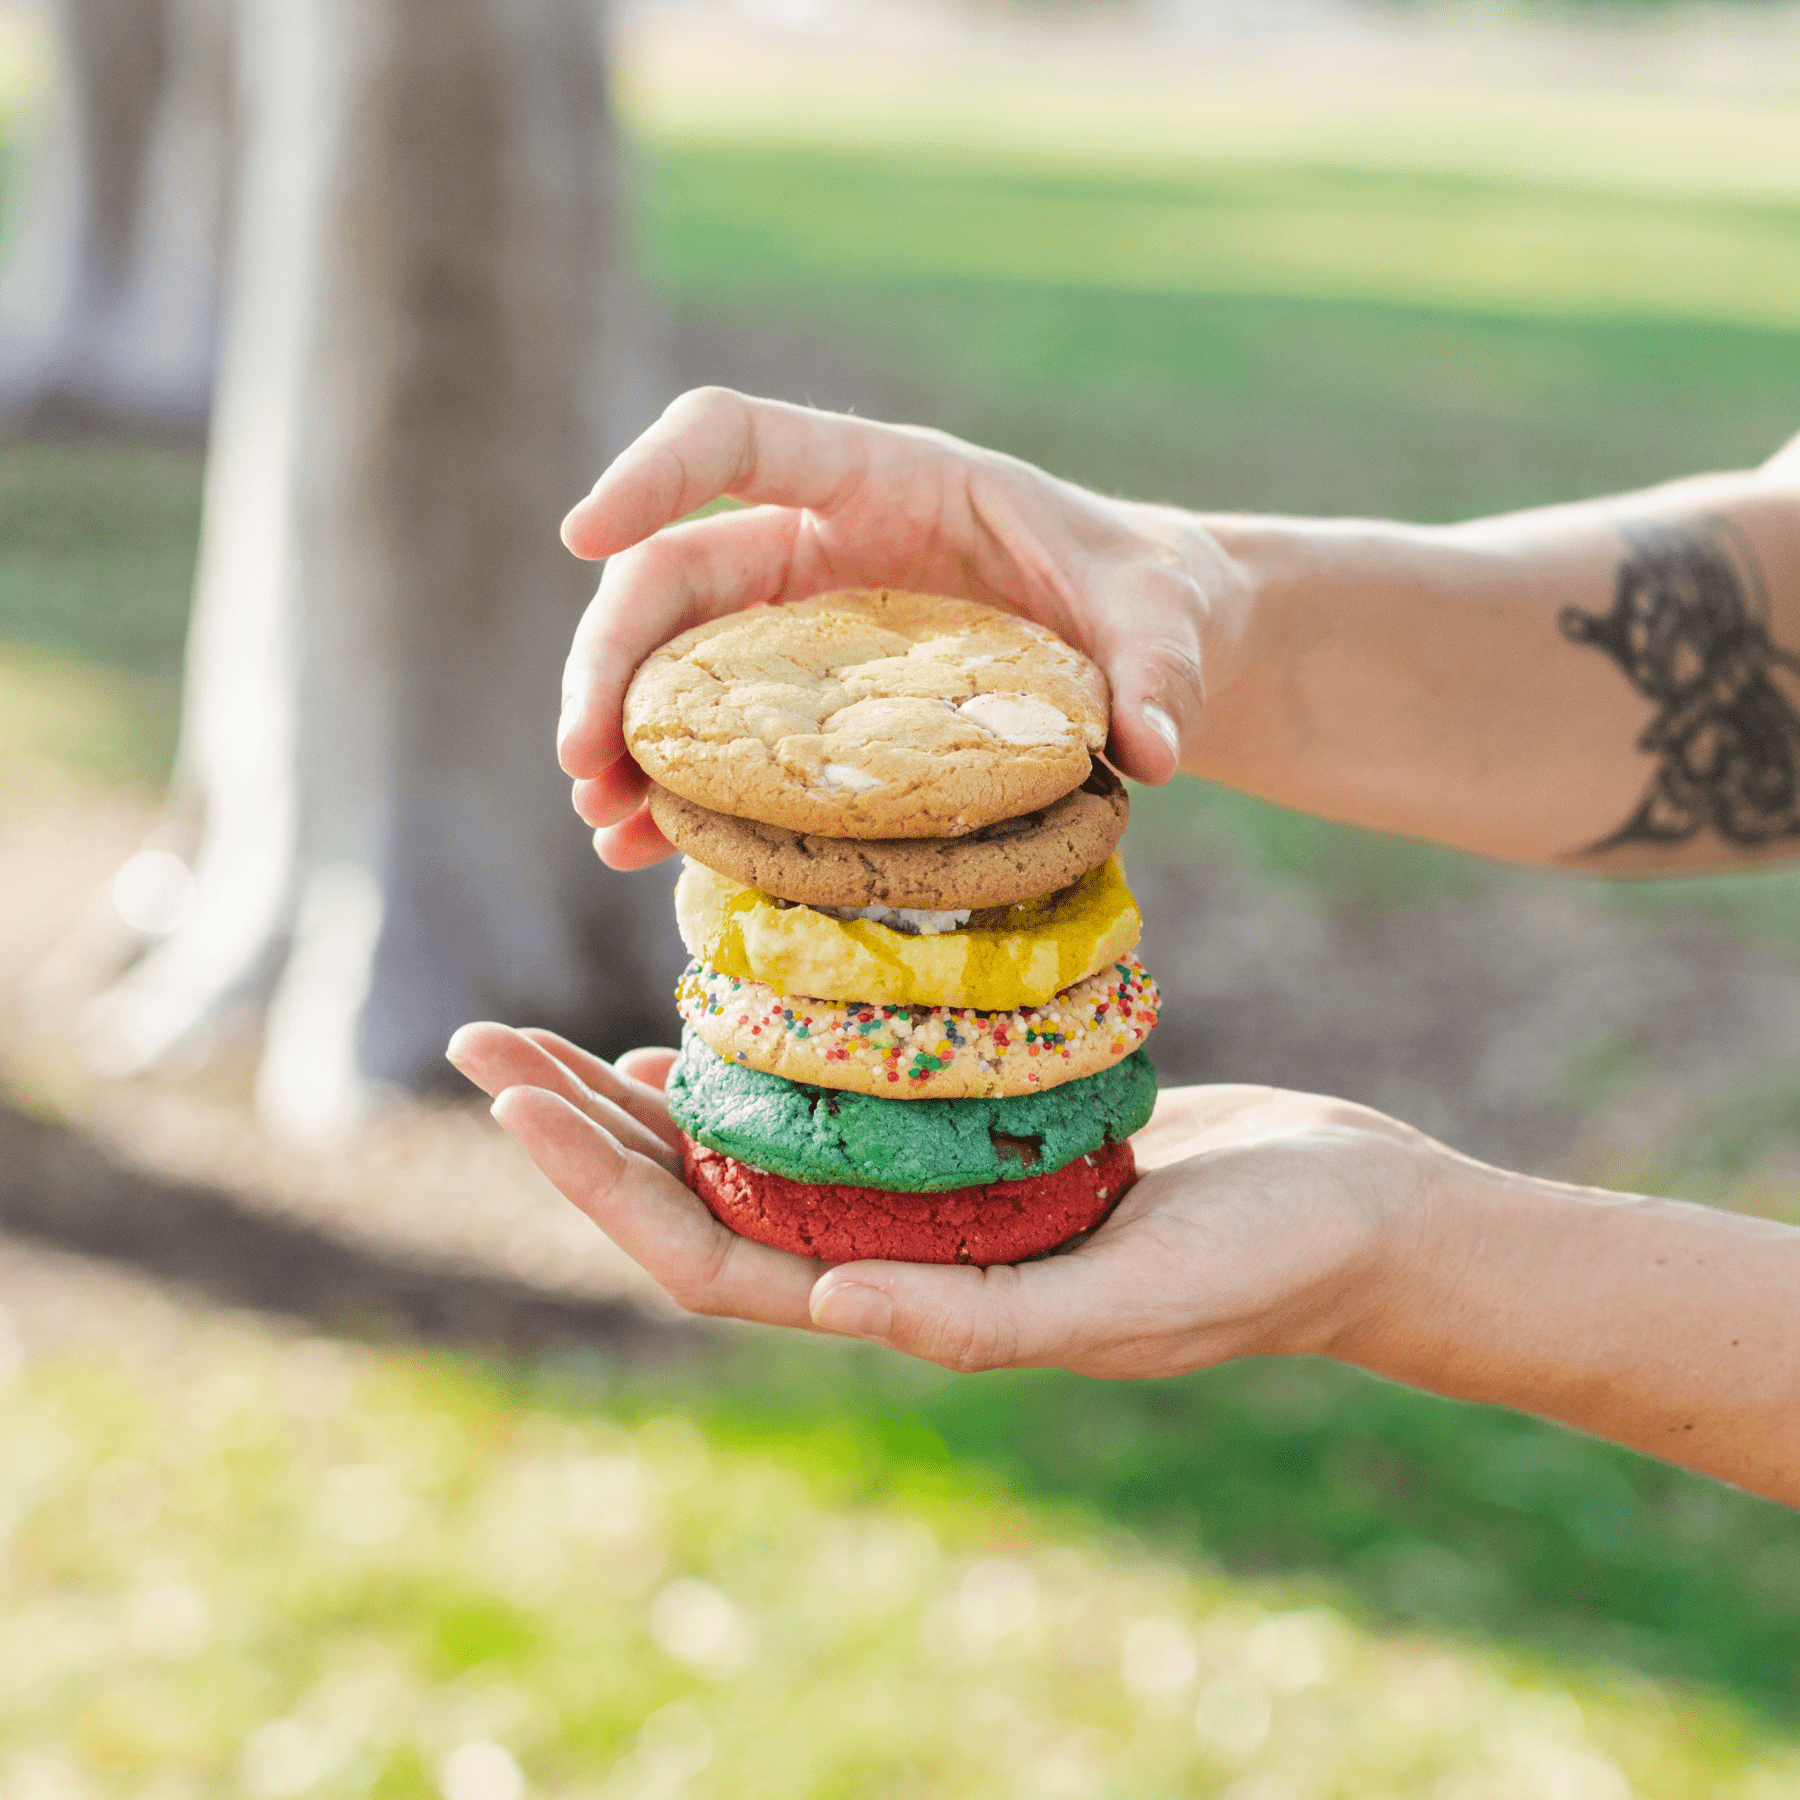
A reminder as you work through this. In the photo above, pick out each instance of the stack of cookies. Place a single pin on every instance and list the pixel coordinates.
(914, 1016)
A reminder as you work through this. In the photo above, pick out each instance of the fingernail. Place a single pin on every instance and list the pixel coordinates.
(852, 1309)
(572, 517)
(1164, 727)
(567, 720)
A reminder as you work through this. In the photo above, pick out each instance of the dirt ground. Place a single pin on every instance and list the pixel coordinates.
(115, 1195)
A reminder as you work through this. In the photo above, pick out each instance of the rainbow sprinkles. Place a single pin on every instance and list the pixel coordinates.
(923, 1050)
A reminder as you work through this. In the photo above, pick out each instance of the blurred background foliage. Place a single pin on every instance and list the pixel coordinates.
(1426, 299)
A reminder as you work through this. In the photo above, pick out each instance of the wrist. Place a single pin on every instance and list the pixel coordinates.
(1388, 1193)
(1400, 1294)
(1472, 1235)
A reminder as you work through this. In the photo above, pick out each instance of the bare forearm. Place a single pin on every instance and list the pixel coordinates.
(1524, 686)
(1668, 1327)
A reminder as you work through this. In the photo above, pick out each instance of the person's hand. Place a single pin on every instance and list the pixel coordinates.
(842, 502)
(1264, 1222)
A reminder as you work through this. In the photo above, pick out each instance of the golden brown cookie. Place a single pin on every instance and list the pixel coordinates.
(996, 865)
(868, 714)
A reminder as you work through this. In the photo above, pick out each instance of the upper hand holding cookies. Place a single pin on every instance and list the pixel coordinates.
(842, 502)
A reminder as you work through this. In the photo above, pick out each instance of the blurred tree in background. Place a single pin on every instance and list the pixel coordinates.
(110, 296)
(428, 346)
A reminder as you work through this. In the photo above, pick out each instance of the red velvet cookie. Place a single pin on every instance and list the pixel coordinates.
(1003, 1222)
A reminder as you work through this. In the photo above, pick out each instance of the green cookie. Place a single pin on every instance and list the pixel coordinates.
(907, 1146)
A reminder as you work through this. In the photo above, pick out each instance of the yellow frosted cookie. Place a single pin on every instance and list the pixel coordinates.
(1002, 958)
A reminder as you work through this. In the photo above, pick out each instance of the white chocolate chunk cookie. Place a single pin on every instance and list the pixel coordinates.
(868, 714)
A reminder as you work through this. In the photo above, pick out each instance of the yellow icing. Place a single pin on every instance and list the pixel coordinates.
(1005, 958)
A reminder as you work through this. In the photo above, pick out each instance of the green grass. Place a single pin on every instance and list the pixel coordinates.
(1735, 1147)
(1267, 400)
(1107, 109)
(1436, 1515)
(1318, 232)
(96, 570)
(60, 716)
(282, 1570)
(97, 544)
(1333, 862)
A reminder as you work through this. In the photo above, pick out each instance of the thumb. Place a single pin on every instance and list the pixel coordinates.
(963, 1318)
(1152, 659)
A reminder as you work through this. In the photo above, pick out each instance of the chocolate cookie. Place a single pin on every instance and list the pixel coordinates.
(995, 865)
(868, 714)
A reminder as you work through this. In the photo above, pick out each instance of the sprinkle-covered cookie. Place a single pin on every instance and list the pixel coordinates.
(868, 714)
(1004, 1222)
(996, 865)
(924, 1052)
(809, 1133)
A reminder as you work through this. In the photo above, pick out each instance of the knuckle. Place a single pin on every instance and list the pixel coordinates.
(981, 1338)
(1169, 589)
(654, 560)
(702, 1289)
(944, 443)
(1169, 654)
(704, 403)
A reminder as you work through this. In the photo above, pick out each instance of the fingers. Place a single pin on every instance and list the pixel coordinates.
(651, 1066)
(635, 1081)
(1148, 641)
(634, 844)
(496, 1057)
(654, 1219)
(788, 462)
(709, 442)
(613, 795)
(685, 576)
(939, 514)
(1030, 1316)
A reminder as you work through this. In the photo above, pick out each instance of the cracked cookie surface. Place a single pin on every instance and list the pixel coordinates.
(1003, 1222)
(817, 1134)
(995, 865)
(869, 713)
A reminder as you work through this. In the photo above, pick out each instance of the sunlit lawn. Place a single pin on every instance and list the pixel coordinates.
(272, 1570)
(293, 1587)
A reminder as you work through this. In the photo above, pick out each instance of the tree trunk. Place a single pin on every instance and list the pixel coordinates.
(110, 298)
(424, 334)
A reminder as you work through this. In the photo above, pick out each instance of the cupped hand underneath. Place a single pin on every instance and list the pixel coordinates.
(832, 502)
(1263, 1222)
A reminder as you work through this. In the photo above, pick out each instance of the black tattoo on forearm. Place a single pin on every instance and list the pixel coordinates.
(1689, 628)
